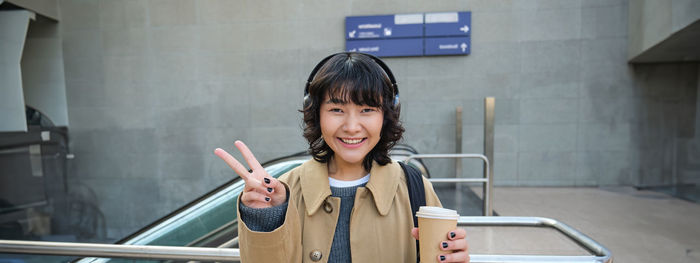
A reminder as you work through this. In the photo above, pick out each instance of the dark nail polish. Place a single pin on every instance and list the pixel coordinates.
(250, 171)
(267, 180)
(269, 189)
(452, 234)
(267, 199)
(444, 244)
(442, 258)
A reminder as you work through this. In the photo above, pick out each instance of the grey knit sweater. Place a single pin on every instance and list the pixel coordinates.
(268, 219)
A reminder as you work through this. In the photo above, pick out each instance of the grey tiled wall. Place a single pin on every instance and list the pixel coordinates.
(154, 86)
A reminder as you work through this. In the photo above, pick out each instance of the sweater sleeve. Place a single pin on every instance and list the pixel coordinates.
(280, 244)
(263, 219)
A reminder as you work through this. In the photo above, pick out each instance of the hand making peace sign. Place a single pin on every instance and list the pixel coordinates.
(261, 190)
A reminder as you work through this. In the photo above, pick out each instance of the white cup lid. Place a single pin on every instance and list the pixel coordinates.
(437, 213)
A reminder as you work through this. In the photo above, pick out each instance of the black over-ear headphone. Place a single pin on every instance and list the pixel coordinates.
(376, 59)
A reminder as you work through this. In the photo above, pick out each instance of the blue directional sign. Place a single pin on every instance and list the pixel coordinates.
(429, 34)
(448, 24)
(447, 46)
(387, 47)
(384, 26)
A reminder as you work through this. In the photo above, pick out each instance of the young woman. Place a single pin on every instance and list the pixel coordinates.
(350, 202)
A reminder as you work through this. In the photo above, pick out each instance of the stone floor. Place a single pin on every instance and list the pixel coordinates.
(637, 226)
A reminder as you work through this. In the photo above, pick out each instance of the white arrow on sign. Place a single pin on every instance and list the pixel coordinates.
(464, 29)
(464, 47)
(351, 34)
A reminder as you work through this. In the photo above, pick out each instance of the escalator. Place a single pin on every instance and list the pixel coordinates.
(208, 221)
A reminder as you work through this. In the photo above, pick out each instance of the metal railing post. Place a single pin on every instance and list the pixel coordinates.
(489, 108)
(458, 150)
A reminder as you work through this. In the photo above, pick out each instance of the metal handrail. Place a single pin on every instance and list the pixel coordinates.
(119, 251)
(488, 211)
(600, 253)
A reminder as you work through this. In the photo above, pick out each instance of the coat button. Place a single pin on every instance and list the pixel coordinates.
(315, 255)
(327, 207)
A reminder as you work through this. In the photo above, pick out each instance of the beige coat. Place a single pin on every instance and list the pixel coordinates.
(380, 224)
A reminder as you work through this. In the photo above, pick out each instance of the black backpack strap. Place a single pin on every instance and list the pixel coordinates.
(416, 190)
(416, 193)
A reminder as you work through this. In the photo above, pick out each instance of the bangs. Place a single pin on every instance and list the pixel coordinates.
(356, 83)
(351, 92)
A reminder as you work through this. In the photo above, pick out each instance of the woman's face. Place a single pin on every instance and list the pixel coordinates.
(351, 130)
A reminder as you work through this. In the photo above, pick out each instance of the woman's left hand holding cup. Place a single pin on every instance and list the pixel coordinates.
(455, 246)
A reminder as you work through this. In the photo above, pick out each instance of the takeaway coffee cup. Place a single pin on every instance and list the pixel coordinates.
(433, 225)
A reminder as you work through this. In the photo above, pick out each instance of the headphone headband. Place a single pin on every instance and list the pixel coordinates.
(379, 62)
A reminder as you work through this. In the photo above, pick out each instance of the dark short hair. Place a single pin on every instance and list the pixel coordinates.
(357, 78)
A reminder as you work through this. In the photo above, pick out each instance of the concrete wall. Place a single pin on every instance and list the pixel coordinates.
(652, 21)
(46, 8)
(689, 148)
(13, 27)
(154, 86)
(43, 78)
(666, 113)
(31, 69)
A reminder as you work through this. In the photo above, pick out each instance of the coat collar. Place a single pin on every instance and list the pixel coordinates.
(383, 181)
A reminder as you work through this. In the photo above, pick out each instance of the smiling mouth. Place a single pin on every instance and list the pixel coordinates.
(352, 141)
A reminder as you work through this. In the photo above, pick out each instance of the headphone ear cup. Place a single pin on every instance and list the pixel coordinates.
(397, 102)
(307, 102)
(307, 99)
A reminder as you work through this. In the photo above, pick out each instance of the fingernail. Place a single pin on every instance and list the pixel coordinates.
(442, 258)
(269, 189)
(444, 244)
(267, 199)
(452, 234)
(267, 180)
